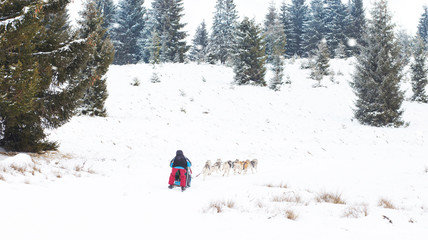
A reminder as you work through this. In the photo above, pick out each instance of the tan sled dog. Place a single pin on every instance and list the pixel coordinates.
(207, 170)
(237, 166)
(226, 167)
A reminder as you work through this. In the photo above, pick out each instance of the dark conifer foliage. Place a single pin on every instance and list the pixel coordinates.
(357, 25)
(166, 19)
(101, 58)
(126, 37)
(40, 72)
(315, 29)
(423, 25)
(336, 23)
(249, 61)
(419, 72)
(378, 73)
(199, 50)
(294, 18)
(222, 39)
(108, 11)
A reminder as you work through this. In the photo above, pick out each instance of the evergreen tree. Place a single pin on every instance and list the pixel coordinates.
(378, 73)
(101, 58)
(222, 39)
(40, 73)
(314, 30)
(167, 24)
(249, 62)
(270, 19)
(357, 25)
(423, 25)
(336, 24)
(321, 65)
(126, 37)
(199, 50)
(298, 17)
(278, 50)
(285, 20)
(107, 9)
(419, 72)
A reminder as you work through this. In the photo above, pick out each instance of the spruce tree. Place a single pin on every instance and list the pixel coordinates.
(278, 50)
(357, 25)
(284, 18)
(336, 24)
(108, 11)
(322, 63)
(126, 37)
(40, 73)
(166, 19)
(378, 73)
(298, 17)
(423, 25)
(101, 58)
(222, 39)
(270, 31)
(199, 50)
(314, 30)
(419, 72)
(249, 61)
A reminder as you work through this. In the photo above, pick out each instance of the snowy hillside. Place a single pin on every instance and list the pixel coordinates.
(109, 178)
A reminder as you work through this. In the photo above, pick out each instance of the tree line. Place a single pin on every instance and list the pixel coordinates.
(50, 71)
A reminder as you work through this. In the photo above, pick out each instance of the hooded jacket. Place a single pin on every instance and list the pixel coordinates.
(180, 161)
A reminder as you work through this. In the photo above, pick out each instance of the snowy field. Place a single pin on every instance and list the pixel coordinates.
(109, 178)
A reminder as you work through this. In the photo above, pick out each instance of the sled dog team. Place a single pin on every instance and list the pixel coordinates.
(237, 166)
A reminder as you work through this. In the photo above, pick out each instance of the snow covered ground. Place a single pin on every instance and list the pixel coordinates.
(109, 178)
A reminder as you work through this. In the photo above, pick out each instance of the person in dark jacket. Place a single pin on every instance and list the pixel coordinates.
(181, 164)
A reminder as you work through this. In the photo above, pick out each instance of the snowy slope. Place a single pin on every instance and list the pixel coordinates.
(109, 178)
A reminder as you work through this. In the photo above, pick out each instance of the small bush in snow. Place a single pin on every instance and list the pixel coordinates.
(135, 82)
(335, 198)
(386, 203)
(182, 93)
(2, 178)
(155, 78)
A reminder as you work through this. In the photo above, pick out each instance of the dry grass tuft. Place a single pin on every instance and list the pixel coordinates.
(281, 185)
(219, 206)
(356, 211)
(386, 204)
(2, 178)
(335, 198)
(290, 214)
(287, 198)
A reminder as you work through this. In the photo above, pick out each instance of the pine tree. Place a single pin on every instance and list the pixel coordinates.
(101, 58)
(108, 11)
(321, 65)
(284, 18)
(423, 25)
(278, 50)
(378, 73)
(419, 72)
(126, 37)
(271, 31)
(166, 18)
(357, 25)
(40, 73)
(336, 24)
(314, 29)
(249, 61)
(222, 39)
(199, 50)
(298, 17)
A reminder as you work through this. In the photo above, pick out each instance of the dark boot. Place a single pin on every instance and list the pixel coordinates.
(170, 186)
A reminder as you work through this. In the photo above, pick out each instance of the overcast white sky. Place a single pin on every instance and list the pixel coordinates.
(406, 13)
